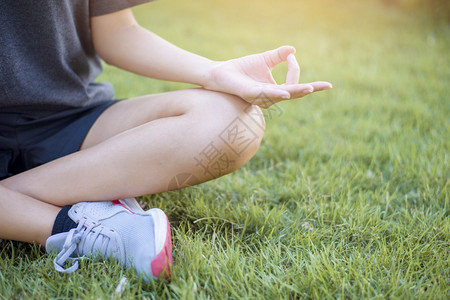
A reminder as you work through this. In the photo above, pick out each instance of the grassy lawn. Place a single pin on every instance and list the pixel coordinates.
(348, 196)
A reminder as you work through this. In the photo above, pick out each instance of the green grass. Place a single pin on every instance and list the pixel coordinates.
(348, 196)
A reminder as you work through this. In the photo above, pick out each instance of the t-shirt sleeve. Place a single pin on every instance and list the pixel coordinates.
(103, 7)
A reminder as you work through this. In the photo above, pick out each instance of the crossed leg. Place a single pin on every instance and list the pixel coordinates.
(136, 147)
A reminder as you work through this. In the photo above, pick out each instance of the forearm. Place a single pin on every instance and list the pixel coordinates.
(140, 51)
(120, 41)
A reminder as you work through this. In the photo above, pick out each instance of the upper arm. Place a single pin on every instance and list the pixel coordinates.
(106, 28)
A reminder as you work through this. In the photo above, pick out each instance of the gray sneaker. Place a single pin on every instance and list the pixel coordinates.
(119, 229)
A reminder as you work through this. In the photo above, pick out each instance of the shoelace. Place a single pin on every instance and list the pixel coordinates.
(88, 241)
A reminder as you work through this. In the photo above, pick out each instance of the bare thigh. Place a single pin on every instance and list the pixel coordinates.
(131, 113)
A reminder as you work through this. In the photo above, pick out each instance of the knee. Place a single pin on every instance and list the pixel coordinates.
(235, 127)
(244, 134)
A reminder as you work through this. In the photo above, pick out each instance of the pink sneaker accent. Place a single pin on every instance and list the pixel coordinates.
(117, 202)
(163, 261)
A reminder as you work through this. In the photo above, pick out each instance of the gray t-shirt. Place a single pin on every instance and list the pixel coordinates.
(46, 52)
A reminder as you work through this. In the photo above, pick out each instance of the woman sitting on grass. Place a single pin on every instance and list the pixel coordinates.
(67, 150)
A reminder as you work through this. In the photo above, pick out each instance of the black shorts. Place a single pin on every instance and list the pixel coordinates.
(34, 135)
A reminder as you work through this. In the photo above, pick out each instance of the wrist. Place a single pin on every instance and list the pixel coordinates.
(207, 76)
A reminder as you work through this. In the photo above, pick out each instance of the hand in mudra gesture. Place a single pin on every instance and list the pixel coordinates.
(249, 77)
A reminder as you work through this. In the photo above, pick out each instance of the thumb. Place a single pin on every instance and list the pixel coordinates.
(277, 56)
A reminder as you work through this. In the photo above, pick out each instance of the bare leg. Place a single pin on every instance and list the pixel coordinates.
(25, 219)
(138, 146)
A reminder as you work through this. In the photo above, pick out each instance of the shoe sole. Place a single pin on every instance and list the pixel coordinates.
(162, 263)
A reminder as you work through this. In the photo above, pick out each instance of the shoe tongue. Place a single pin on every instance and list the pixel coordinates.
(96, 211)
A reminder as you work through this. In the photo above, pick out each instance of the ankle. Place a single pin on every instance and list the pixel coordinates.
(63, 222)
